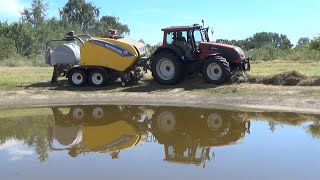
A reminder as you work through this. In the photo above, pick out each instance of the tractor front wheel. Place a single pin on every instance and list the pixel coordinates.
(216, 70)
(167, 68)
(77, 77)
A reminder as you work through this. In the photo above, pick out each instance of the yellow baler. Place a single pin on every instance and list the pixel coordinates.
(109, 53)
(97, 60)
(109, 138)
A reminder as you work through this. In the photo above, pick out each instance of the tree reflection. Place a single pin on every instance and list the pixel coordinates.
(314, 130)
(40, 143)
(31, 130)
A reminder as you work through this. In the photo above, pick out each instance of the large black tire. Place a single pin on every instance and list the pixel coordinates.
(167, 68)
(166, 122)
(97, 78)
(78, 77)
(216, 70)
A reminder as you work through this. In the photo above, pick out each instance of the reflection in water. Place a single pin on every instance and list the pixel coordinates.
(187, 135)
(314, 130)
(15, 150)
(31, 130)
(101, 129)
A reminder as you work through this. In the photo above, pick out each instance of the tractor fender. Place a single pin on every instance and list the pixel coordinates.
(212, 55)
(209, 56)
(169, 48)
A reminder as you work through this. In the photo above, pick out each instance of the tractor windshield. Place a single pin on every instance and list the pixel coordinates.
(200, 35)
(197, 37)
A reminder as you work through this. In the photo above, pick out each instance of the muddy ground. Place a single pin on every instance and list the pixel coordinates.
(192, 92)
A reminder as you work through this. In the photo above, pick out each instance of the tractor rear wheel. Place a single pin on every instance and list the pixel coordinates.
(77, 77)
(97, 78)
(167, 68)
(216, 70)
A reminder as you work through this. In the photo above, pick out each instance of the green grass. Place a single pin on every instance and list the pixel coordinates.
(20, 77)
(13, 112)
(274, 67)
(23, 76)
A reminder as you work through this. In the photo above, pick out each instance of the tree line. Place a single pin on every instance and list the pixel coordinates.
(26, 38)
(274, 40)
(273, 46)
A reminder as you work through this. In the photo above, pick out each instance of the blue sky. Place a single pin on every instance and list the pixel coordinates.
(231, 19)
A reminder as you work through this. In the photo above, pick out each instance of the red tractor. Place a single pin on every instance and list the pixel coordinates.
(188, 50)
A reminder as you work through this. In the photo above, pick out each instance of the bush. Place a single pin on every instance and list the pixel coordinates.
(296, 54)
(315, 43)
(18, 61)
(7, 48)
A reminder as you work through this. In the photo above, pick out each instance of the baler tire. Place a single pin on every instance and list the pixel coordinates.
(77, 74)
(101, 75)
(170, 60)
(77, 113)
(216, 70)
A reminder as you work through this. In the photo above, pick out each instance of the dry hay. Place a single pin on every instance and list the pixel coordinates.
(290, 78)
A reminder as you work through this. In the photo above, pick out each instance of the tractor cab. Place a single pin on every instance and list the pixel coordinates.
(187, 155)
(186, 38)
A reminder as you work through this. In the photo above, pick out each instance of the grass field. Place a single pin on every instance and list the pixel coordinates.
(20, 77)
(270, 68)
(12, 77)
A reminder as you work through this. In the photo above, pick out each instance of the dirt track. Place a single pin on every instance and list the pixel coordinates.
(272, 98)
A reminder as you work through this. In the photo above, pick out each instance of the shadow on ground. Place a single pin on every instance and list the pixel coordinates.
(291, 78)
(146, 85)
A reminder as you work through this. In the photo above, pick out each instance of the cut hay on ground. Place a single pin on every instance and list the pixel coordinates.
(291, 78)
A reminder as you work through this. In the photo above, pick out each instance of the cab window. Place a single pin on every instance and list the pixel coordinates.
(198, 37)
(169, 38)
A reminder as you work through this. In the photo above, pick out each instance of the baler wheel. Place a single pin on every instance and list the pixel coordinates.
(97, 78)
(77, 77)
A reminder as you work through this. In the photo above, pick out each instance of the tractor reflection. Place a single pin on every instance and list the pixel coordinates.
(188, 134)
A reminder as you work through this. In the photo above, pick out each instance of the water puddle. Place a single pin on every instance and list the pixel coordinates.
(146, 142)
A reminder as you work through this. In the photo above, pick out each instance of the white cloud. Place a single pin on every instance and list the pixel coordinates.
(15, 149)
(10, 9)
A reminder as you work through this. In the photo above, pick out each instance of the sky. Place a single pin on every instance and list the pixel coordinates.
(231, 19)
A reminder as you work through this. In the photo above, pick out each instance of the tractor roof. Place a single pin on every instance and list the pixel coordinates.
(181, 28)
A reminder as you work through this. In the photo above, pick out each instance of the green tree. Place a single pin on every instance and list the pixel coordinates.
(80, 12)
(285, 43)
(7, 47)
(110, 22)
(23, 38)
(262, 39)
(36, 14)
(303, 41)
(6, 43)
(315, 43)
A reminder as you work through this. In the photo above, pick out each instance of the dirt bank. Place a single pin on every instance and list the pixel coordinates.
(256, 97)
